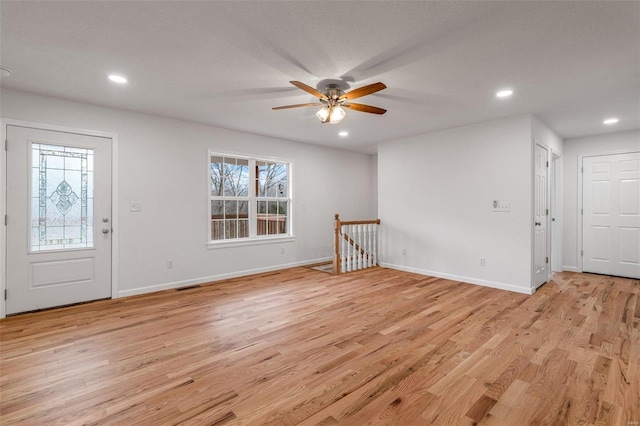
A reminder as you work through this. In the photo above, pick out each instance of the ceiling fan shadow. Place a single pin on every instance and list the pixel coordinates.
(254, 93)
(260, 42)
(434, 40)
(414, 97)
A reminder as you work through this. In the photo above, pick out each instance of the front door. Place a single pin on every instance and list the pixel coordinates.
(611, 215)
(58, 218)
(541, 210)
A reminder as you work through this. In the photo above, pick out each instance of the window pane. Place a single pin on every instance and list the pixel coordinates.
(282, 188)
(280, 179)
(61, 198)
(272, 207)
(282, 208)
(262, 218)
(243, 209)
(261, 177)
(216, 176)
(262, 207)
(272, 179)
(243, 178)
(243, 228)
(229, 173)
(230, 228)
(230, 209)
(217, 211)
(217, 220)
(282, 217)
(243, 223)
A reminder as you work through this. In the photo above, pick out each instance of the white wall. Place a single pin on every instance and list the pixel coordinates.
(435, 200)
(610, 143)
(163, 164)
(374, 186)
(544, 135)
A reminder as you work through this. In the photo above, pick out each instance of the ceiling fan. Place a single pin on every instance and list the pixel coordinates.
(333, 101)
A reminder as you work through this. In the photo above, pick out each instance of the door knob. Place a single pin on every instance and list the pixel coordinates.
(538, 223)
(105, 230)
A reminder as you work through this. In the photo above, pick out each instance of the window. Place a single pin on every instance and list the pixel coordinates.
(243, 211)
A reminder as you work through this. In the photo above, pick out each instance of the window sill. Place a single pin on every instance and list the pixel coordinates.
(211, 245)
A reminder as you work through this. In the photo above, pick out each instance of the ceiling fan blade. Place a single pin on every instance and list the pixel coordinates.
(363, 91)
(365, 108)
(308, 89)
(297, 106)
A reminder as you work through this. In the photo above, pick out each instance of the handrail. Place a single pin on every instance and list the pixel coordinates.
(359, 222)
(363, 250)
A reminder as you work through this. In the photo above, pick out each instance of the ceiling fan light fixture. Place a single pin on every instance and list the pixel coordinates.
(323, 114)
(336, 115)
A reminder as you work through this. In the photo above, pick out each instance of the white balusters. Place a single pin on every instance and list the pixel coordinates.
(361, 247)
(374, 243)
(355, 244)
(345, 250)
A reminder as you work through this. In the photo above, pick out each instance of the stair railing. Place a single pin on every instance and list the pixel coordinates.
(355, 244)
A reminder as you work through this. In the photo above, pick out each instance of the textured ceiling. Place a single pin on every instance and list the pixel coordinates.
(572, 64)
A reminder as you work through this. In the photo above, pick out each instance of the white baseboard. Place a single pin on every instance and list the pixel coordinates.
(484, 283)
(202, 280)
(570, 268)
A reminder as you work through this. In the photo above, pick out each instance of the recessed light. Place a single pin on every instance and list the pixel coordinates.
(611, 120)
(343, 133)
(117, 78)
(5, 72)
(504, 93)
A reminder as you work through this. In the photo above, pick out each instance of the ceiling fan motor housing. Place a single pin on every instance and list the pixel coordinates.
(333, 93)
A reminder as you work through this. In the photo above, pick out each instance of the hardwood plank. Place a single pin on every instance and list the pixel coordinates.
(300, 346)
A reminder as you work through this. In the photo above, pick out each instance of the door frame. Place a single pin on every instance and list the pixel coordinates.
(5, 122)
(580, 206)
(557, 212)
(534, 286)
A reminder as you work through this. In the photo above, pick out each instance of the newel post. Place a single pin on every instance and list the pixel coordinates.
(336, 245)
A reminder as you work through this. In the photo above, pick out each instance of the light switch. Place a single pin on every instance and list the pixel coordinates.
(135, 207)
(501, 206)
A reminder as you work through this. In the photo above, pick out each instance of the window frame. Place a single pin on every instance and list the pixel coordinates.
(253, 198)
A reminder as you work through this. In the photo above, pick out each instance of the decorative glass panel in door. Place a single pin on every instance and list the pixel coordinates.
(61, 197)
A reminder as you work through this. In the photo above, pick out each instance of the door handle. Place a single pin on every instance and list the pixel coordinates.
(537, 224)
(105, 230)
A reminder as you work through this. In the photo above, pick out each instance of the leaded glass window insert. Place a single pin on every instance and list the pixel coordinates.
(239, 210)
(61, 197)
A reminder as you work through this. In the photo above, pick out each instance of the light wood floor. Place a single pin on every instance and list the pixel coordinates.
(304, 347)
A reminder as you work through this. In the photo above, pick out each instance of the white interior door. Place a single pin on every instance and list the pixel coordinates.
(541, 211)
(58, 218)
(611, 214)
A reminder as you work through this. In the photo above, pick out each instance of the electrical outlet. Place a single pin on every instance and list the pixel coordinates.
(404, 251)
(135, 207)
(482, 261)
(170, 264)
(282, 250)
